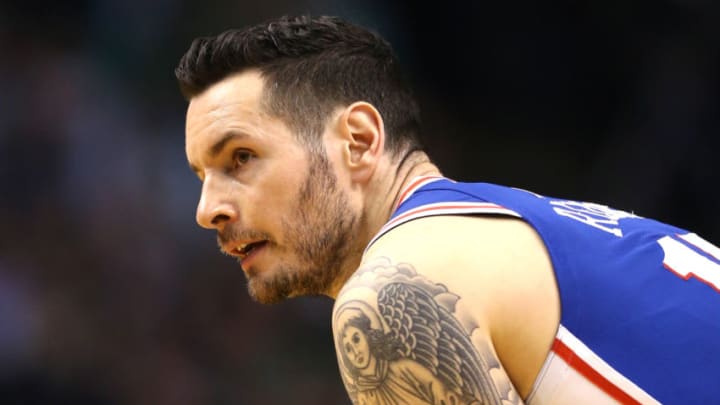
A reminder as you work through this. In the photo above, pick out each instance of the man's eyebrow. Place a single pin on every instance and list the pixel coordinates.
(220, 144)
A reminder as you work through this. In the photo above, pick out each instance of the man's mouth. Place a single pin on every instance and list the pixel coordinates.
(244, 250)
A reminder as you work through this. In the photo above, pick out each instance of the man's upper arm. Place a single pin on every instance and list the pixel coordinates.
(400, 340)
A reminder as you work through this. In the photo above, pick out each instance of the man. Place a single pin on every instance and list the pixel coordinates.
(304, 135)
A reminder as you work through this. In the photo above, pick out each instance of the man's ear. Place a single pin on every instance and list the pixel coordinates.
(363, 133)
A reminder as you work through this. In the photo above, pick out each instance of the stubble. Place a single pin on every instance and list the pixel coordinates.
(319, 233)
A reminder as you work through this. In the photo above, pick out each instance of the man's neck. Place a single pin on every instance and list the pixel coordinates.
(382, 197)
(418, 164)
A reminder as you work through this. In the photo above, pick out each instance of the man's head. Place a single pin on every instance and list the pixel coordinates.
(285, 120)
(310, 67)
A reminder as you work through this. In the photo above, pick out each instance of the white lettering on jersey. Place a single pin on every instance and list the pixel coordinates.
(686, 262)
(595, 215)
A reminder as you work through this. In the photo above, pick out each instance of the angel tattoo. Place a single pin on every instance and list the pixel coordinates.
(411, 351)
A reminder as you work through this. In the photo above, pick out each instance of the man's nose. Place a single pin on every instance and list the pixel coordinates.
(214, 209)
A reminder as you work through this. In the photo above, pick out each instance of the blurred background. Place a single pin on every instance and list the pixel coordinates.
(109, 292)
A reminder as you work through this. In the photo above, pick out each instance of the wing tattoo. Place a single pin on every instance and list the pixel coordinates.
(430, 335)
(400, 341)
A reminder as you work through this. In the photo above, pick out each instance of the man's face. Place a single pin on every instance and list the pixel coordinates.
(275, 204)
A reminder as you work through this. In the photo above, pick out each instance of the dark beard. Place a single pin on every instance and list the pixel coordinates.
(319, 230)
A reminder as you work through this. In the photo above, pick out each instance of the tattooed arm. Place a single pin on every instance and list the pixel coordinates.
(400, 340)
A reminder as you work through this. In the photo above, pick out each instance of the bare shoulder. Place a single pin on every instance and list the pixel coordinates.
(498, 263)
(446, 240)
(401, 339)
(500, 279)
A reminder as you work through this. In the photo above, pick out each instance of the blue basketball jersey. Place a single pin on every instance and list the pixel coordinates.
(642, 296)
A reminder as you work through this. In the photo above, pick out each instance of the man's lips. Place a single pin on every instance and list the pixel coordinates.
(251, 254)
(243, 249)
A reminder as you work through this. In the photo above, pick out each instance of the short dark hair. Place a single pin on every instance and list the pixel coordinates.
(311, 66)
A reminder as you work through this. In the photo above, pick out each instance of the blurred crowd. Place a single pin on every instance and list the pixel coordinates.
(110, 294)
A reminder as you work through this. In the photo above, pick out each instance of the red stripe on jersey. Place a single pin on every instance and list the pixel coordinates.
(446, 207)
(413, 186)
(574, 361)
(460, 209)
(457, 208)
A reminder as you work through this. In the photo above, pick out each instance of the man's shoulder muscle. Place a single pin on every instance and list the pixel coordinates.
(500, 268)
(403, 338)
(485, 258)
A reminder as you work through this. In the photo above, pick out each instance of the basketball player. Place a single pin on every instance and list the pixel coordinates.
(304, 136)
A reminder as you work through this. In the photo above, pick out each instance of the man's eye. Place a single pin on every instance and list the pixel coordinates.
(241, 157)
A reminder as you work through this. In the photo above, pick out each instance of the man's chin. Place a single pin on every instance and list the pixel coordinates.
(264, 292)
(272, 289)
